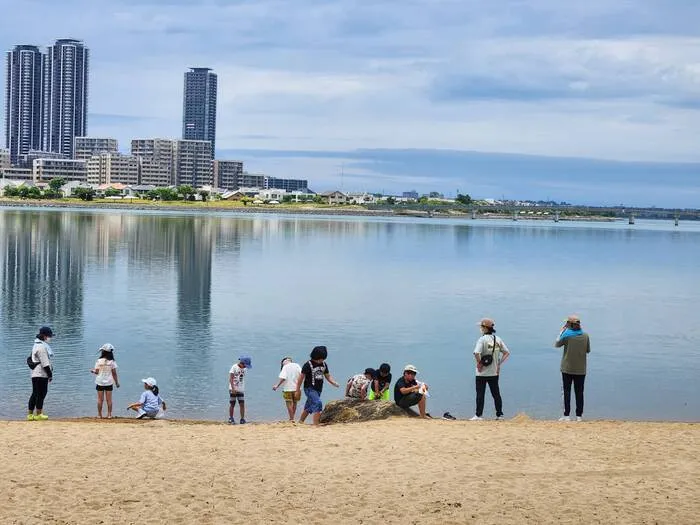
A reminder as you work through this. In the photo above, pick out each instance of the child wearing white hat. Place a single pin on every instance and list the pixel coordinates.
(105, 378)
(150, 405)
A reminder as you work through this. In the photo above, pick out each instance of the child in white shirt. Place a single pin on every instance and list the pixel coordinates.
(105, 378)
(236, 387)
(289, 374)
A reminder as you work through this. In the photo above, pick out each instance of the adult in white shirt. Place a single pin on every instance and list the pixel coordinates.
(42, 373)
(288, 377)
(490, 352)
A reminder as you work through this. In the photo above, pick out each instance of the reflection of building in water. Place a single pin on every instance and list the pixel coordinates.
(193, 252)
(43, 260)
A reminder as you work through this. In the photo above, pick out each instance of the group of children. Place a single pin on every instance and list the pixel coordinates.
(150, 405)
(373, 384)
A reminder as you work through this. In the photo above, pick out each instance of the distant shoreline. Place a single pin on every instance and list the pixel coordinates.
(208, 207)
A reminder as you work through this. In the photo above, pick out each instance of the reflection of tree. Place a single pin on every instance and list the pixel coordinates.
(44, 256)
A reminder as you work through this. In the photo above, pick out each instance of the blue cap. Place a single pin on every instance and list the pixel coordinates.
(246, 361)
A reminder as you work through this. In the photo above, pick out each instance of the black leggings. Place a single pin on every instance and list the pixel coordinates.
(495, 392)
(40, 387)
(578, 380)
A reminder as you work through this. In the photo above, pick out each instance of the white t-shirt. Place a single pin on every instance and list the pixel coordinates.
(238, 378)
(484, 345)
(104, 372)
(40, 354)
(290, 373)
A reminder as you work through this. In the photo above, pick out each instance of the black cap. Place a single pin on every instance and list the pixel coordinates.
(384, 367)
(45, 330)
(319, 352)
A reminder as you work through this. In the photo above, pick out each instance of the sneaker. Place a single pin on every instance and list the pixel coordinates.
(243, 421)
(564, 418)
(449, 416)
(231, 421)
(476, 418)
(500, 418)
(579, 419)
(30, 417)
(41, 417)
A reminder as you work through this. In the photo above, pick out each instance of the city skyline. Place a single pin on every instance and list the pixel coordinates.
(417, 98)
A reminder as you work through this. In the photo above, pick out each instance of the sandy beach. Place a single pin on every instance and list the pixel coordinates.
(394, 471)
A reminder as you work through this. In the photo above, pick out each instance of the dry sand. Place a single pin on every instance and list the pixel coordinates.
(395, 471)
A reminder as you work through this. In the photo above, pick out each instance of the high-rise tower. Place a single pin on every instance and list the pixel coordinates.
(199, 106)
(66, 95)
(24, 99)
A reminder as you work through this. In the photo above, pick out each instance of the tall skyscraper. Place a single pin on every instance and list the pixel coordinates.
(66, 95)
(199, 106)
(24, 99)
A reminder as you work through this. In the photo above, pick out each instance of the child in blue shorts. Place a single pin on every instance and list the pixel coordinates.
(312, 374)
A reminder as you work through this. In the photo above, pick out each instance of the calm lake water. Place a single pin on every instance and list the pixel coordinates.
(181, 296)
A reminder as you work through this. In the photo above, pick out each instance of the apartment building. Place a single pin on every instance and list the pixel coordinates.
(43, 170)
(86, 147)
(110, 168)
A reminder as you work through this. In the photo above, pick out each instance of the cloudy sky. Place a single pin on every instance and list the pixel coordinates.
(590, 102)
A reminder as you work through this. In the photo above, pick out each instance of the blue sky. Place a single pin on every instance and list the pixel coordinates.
(591, 102)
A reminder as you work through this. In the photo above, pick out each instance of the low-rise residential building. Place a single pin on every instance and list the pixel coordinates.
(69, 188)
(138, 190)
(272, 195)
(18, 174)
(361, 198)
(43, 170)
(110, 168)
(87, 147)
(227, 173)
(335, 197)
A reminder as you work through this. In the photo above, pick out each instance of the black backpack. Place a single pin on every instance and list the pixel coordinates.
(30, 362)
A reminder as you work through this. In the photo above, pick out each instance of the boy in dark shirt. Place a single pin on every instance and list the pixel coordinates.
(382, 383)
(312, 374)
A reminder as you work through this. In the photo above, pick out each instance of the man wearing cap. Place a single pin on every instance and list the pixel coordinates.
(409, 392)
(358, 385)
(577, 346)
(236, 387)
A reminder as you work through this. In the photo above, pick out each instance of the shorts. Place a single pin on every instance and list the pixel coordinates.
(142, 414)
(313, 401)
(236, 395)
(101, 388)
(291, 396)
(409, 400)
(371, 395)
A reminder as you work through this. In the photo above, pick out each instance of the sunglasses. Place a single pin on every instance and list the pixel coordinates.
(409, 372)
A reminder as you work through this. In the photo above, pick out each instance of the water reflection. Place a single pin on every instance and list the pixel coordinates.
(183, 295)
(43, 265)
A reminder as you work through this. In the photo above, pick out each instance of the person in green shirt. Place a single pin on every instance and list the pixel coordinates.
(577, 346)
